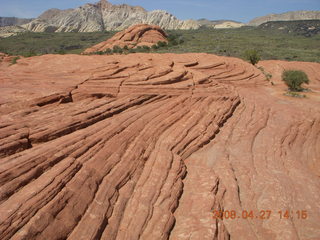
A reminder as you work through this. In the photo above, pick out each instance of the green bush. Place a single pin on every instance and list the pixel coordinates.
(294, 79)
(132, 50)
(252, 56)
(295, 95)
(14, 60)
(31, 53)
(146, 48)
(162, 44)
(117, 49)
(139, 49)
(155, 47)
(108, 51)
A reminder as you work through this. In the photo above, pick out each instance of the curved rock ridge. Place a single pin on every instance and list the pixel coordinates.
(134, 36)
(147, 146)
(104, 16)
(288, 16)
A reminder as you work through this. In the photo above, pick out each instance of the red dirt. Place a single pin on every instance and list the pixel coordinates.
(147, 146)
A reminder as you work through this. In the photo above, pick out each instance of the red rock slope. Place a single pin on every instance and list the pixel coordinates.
(132, 37)
(148, 146)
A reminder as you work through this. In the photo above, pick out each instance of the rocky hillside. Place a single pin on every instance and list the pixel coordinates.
(288, 16)
(104, 16)
(13, 21)
(306, 28)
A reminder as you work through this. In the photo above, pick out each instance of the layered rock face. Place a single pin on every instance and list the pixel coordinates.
(288, 16)
(149, 146)
(137, 35)
(104, 16)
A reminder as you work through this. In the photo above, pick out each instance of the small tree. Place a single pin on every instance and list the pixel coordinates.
(252, 56)
(294, 79)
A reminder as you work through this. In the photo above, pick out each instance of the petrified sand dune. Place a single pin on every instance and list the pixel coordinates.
(147, 146)
(132, 37)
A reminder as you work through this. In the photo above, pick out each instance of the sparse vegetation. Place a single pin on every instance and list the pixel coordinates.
(272, 44)
(295, 94)
(161, 44)
(117, 49)
(252, 56)
(14, 60)
(266, 74)
(294, 79)
(31, 44)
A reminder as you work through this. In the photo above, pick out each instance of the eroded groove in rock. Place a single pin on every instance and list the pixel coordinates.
(147, 146)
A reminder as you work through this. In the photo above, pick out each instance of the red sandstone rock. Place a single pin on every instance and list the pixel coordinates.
(147, 146)
(132, 37)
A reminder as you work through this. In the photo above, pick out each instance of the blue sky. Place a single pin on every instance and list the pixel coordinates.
(240, 10)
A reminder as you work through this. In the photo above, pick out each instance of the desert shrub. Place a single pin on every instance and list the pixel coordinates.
(146, 48)
(294, 79)
(108, 51)
(139, 49)
(31, 53)
(61, 51)
(175, 39)
(131, 50)
(172, 37)
(14, 60)
(252, 56)
(181, 41)
(266, 74)
(294, 94)
(155, 47)
(117, 49)
(161, 44)
(125, 48)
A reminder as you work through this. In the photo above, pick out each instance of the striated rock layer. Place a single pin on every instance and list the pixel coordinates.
(148, 146)
(137, 35)
(104, 16)
(288, 16)
(9, 31)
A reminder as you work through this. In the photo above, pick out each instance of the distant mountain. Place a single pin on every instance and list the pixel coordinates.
(307, 28)
(104, 16)
(13, 21)
(220, 23)
(288, 16)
